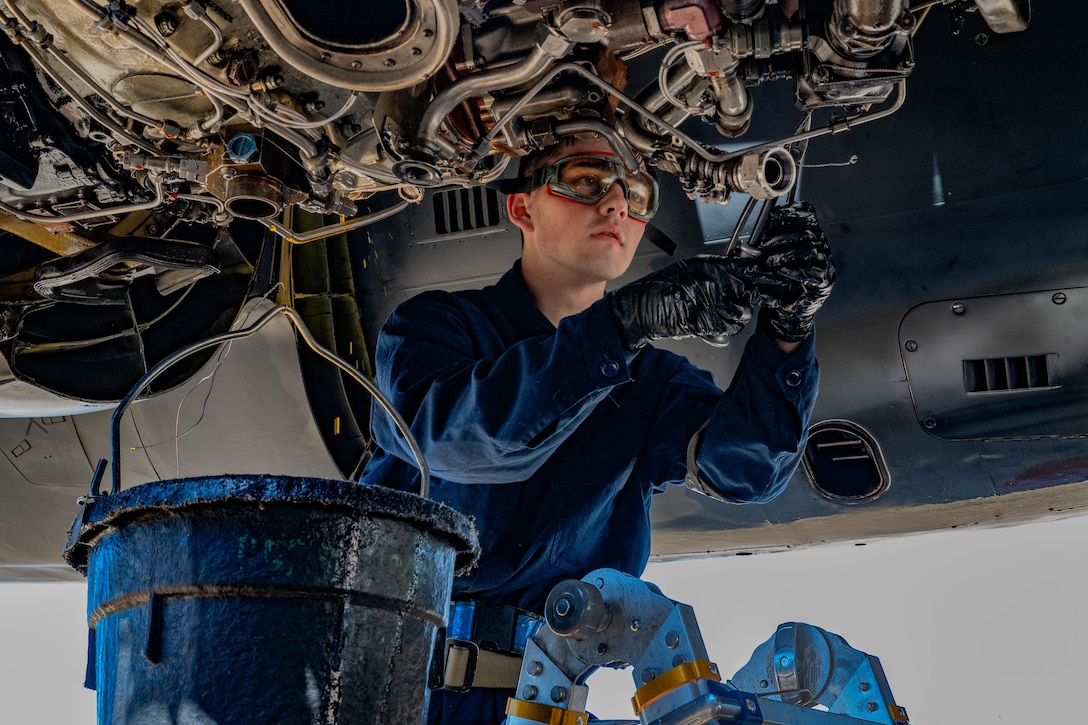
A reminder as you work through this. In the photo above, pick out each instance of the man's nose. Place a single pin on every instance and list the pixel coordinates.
(615, 200)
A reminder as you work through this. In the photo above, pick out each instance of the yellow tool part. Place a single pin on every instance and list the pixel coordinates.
(669, 681)
(544, 714)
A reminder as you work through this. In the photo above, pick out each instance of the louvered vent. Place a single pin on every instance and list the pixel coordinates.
(465, 210)
(843, 462)
(1004, 374)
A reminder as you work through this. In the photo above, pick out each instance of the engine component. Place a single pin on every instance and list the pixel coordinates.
(382, 46)
(130, 108)
(102, 274)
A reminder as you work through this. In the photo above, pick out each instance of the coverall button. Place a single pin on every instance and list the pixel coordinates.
(609, 368)
(793, 378)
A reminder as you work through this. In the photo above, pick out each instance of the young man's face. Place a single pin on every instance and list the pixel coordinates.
(577, 241)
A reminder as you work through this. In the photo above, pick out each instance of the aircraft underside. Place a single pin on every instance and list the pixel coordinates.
(173, 170)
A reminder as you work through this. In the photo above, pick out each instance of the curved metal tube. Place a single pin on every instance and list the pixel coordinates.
(582, 125)
(296, 320)
(328, 231)
(664, 88)
(217, 34)
(655, 99)
(516, 73)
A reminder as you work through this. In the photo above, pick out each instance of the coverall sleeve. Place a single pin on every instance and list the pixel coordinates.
(481, 409)
(754, 440)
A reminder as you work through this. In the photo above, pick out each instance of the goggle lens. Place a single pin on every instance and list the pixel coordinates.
(588, 178)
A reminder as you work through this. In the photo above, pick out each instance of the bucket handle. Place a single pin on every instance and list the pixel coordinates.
(313, 344)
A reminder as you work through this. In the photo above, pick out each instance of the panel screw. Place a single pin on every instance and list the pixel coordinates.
(559, 694)
(672, 640)
(929, 423)
(1058, 298)
(529, 692)
(864, 686)
(958, 308)
(648, 674)
(911, 345)
(602, 648)
(870, 706)
(635, 625)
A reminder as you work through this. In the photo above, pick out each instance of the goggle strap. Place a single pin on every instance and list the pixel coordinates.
(660, 239)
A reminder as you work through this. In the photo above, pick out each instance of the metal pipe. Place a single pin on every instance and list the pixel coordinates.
(313, 344)
(654, 98)
(330, 230)
(549, 49)
(710, 155)
(197, 11)
(583, 125)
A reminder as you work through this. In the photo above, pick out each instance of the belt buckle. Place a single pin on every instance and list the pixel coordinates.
(494, 627)
(472, 651)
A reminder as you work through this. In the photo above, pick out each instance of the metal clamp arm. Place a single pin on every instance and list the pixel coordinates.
(610, 619)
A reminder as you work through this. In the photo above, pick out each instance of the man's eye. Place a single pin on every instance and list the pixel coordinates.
(586, 184)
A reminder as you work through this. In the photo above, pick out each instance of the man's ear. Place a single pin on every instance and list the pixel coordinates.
(517, 209)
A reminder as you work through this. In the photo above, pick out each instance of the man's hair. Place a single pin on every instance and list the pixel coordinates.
(539, 158)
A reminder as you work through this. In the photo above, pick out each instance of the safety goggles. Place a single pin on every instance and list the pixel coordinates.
(586, 178)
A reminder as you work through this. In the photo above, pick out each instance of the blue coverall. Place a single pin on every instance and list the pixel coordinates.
(554, 439)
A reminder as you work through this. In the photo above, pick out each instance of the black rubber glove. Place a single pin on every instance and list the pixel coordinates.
(705, 296)
(794, 274)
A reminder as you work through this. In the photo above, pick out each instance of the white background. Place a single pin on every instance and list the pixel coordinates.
(972, 626)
